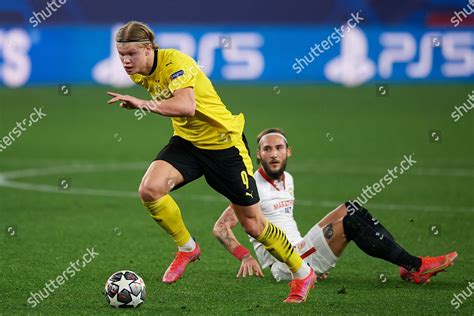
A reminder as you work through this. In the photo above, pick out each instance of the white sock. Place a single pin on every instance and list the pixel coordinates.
(189, 246)
(302, 272)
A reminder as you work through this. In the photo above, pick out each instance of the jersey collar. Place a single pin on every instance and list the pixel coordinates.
(155, 62)
(270, 180)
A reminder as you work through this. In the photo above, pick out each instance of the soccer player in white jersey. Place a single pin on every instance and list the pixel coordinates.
(324, 243)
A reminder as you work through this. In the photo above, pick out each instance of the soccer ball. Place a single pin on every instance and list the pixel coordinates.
(125, 289)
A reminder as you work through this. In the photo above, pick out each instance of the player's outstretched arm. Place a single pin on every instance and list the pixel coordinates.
(223, 232)
(182, 103)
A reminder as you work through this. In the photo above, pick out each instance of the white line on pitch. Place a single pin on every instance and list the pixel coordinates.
(6, 181)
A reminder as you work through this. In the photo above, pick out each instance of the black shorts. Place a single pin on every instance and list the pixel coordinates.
(228, 171)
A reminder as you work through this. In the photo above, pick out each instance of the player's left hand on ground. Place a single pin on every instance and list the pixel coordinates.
(249, 266)
(127, 101)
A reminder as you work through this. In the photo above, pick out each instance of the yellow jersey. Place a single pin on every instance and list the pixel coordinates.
(213, 126)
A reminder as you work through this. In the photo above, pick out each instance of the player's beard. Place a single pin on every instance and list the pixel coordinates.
(275, 175)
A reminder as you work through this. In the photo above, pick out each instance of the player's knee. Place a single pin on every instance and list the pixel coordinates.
(151, 191)
(146, 194)
(252, 227)
(252, 230)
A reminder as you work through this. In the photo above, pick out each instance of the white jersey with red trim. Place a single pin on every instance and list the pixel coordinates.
(277, 200)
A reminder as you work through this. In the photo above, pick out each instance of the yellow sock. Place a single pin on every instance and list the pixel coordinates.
(166, 213)
(277, 244)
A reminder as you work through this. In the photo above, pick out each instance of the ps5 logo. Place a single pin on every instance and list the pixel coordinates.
(402, 50)
(352, 67)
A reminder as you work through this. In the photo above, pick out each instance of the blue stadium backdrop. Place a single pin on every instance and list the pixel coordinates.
(344, 42)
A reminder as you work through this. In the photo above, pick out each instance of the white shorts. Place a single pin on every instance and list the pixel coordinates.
(322, 260)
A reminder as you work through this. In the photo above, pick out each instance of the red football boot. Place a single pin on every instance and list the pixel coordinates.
(176, 269)
(430, 266)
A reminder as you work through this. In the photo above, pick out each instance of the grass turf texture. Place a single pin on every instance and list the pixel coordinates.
(343, 139)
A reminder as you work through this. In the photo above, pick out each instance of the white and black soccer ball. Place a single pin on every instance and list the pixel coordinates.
(125, 289)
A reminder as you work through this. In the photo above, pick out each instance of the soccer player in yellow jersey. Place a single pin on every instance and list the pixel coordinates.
(207, 140)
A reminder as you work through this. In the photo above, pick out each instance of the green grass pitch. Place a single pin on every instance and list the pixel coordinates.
(343, 139)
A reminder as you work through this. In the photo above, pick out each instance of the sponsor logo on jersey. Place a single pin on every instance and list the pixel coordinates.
(282, 204)
(177, 74)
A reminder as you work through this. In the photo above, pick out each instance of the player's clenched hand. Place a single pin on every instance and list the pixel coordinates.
(127, 101)
(249, 266)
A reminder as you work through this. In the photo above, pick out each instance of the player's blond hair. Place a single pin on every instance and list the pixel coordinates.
(136, 32)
